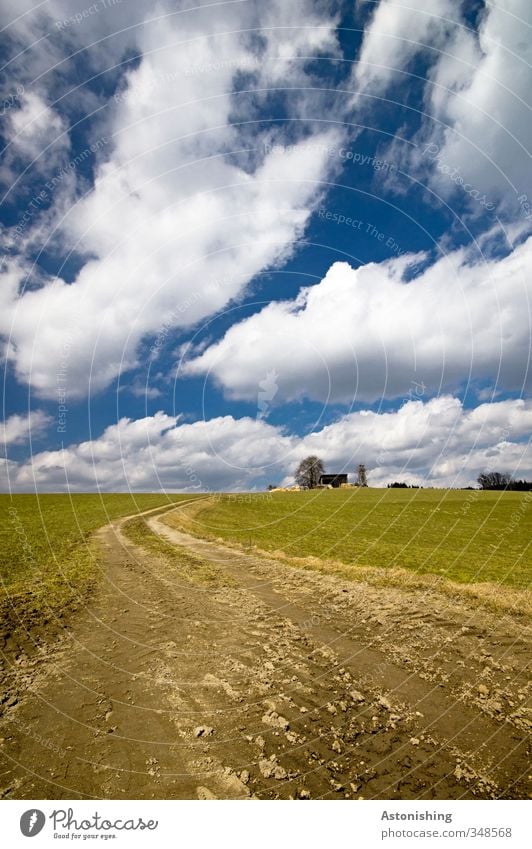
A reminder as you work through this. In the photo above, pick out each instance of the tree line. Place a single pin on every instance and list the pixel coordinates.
(501, 481)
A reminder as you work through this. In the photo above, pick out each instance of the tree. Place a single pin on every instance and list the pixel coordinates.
(521, 486)
(308, 472)
(494, 480)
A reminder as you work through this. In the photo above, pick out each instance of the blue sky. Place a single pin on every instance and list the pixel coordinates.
(237, 234)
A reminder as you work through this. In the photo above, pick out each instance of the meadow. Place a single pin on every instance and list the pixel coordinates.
(467, 536)
(46, 563)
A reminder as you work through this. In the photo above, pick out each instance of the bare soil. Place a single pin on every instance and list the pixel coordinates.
(269, 681)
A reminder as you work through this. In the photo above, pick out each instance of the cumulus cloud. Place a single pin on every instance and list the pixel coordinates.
(174, 208)
(18, 429)
(157, 453)
(433, 443)
(366, 334)
(436, 443)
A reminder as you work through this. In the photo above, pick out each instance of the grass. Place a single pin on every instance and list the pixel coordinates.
(464, 536)
(46, 563)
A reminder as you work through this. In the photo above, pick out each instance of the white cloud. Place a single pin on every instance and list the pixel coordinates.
(395, 33)
(18, 429)
(173, 210)
(476, 100)
(156, 452)
(37, 139)
(36, 127)
(43, 36)
(188, 206)
(365, 334)
(480, 92)
(436, 443)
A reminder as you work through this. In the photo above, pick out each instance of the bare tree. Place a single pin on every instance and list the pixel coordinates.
(308, 472)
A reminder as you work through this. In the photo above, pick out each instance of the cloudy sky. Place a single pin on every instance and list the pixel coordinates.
(236, 233)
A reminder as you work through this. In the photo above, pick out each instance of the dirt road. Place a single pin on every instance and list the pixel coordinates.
(266, 681)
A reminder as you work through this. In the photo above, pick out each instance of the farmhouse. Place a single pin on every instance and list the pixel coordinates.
(333, 480)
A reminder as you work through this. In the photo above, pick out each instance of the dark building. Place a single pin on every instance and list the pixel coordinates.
(333, 480)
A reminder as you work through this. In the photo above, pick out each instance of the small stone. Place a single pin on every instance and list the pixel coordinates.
(205, 793)
(336, 747)
(356, 696)
(272, 718)
(244, 776)
(303, 793)
(483, 690)
(266, 768)
(414, 741)
(331, 708)
(203, 731)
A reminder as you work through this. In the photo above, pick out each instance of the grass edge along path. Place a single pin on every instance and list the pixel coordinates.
(499, 597)
(183, 565)
(48, 562)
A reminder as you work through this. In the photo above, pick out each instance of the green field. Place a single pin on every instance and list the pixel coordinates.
(45, 562)
(466, 536)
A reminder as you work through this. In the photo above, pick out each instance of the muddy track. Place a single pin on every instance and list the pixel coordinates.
(267, 681)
